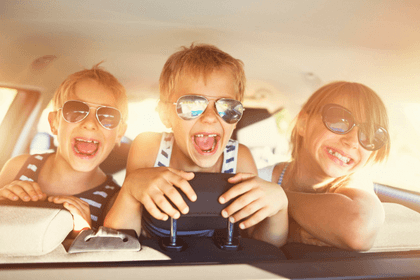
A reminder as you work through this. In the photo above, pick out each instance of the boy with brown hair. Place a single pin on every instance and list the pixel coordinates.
(90, 109)
(201, 89)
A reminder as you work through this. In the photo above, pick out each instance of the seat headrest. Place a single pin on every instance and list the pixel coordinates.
(32, 229)
(205, 212)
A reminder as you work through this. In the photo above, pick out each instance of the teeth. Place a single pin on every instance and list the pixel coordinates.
(87, 141)
(339, 156)
(202, 135)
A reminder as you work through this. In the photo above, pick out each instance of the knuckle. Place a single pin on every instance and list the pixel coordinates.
(172, 192)
(160, 200)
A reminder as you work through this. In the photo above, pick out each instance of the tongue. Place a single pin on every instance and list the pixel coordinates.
(204, 143)
(85, 148)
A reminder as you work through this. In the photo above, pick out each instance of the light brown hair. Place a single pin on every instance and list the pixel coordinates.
(101, 76)
(201, 59)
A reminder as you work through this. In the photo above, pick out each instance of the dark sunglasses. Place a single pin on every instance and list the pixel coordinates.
(189, 107)
(74, 111)
(339, 120)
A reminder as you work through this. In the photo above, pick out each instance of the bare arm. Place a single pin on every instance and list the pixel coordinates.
(148, 187)
(15, 189)
(349, 218)
(126, 210)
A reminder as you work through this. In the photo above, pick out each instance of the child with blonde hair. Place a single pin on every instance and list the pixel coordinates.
(90, 109)
(339, 131)
(201, 89)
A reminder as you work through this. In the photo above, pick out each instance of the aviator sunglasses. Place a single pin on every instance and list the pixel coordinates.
(189, 107)
(339, 120)
(75, 111)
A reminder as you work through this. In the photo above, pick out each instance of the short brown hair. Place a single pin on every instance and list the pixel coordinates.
(201, 59)
(364, 103)
(96, 73)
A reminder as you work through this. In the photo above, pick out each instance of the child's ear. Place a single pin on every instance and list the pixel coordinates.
(162, 109)
(52, 119)
(301, 123)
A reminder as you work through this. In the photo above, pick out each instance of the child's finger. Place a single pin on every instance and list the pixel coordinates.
(256, 218)
(242, 202)
(74, 210)
(162, 202)
(77, 202)
(80, 219)
(181, 182)
(186, 175)
(30, 189)
(175, 197)
(240, 177)
(18, 190)
(236, 191)
(150, 206)
(8, 194)
(37, 188)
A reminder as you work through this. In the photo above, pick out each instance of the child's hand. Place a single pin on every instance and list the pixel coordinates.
(255, 200)
(155, 187)
(24, 190)
(78, 208)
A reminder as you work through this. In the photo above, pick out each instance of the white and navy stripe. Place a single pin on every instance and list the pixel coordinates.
(96, 197)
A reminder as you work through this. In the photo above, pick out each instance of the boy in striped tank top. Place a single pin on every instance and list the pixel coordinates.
(90, 109)
(201, 88)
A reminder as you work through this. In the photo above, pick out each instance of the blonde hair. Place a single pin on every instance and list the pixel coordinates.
(364, 104)
(201, 59)
(99, 75)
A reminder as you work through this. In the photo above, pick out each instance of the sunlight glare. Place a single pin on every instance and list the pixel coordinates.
(142, 117)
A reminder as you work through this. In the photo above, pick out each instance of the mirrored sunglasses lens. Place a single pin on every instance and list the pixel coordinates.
(230, 110)
(373, 141)
(109, 117)
(190, 107)
(75, 111)
(338, 120)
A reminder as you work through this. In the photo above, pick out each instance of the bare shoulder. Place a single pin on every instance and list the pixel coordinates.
(11, 169)
(246, 162)
(278, 169)
(143, 150)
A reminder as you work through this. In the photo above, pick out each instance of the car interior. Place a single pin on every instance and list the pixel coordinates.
(289, 49)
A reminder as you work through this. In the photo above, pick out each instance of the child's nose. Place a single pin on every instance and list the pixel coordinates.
(90, 122)
(210, 114)
(352, 138)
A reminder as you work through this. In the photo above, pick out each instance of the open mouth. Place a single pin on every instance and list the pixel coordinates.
(86, 147)
(207, 143)
(336, 154)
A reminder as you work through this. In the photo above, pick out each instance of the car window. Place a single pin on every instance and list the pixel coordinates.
(402, 167)
(7, 95)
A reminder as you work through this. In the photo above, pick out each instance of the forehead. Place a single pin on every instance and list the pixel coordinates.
(358, 109)
(217, 84)
(93, 92)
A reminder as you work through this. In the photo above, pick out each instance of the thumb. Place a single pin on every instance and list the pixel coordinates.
(185, 175)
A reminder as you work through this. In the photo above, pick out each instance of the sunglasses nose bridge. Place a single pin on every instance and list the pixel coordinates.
(91, 120)
(351, 138)
(210, 112)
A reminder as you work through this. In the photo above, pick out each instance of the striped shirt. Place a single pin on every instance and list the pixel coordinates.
(97, 197)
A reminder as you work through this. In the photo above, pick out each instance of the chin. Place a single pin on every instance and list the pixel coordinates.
(206, 163)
